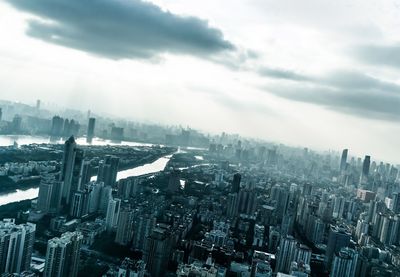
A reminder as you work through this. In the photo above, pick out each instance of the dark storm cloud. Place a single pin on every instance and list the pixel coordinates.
(120, 29)
(282, 74)
(348, 92)
(387, 55)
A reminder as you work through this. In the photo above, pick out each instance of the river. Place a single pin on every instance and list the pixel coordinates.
(32, 193)
(8, 140)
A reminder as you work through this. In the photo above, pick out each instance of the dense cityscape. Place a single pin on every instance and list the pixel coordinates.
(233, 207)
(212, 138)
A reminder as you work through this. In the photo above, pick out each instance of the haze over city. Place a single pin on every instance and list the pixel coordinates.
(212, 138)
(318, 74)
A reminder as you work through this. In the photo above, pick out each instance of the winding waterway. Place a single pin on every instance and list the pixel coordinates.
(19, 195)
(32, 193)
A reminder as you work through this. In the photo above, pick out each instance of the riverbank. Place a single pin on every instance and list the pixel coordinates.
(147, 168)
(130, 157)
(14, 210)
(7, 185)
(145, 160)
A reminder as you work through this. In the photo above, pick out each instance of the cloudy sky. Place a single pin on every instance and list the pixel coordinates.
(316, 73)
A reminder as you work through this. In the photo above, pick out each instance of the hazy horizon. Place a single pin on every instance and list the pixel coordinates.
(317, 74)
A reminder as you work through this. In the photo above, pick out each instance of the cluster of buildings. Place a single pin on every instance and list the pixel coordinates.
(27, 169)
(241, 209)
(21, 119)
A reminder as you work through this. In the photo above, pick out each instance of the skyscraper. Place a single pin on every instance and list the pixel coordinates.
(108, 170)
(73, 179)
(71, 128)
(344, 263)
(57, 124)
(302, 254)
(44, 198)
(67, 166)
(365, 170)
(396, 202)
(62, 255)
(143, 227)
(16, 246)
(157, 250)
(66, 130)
(236, 183)
(112, 214)
(77, 171)
(49, 199)
(232, 205)
(247, 201)
(94, 190)
(343, 159)
(85, 174)
(366, 165)
(286, 252)
(79, 204)
(90, 131)
(389, 230)
(338, 238)
(124, 227)
(105, 197)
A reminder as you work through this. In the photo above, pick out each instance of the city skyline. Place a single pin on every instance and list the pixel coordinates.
(310, 73)
(213, 137)
(183, 138)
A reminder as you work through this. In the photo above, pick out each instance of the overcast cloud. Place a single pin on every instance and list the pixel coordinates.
(375, 54)
(344, 91)
(120, 29)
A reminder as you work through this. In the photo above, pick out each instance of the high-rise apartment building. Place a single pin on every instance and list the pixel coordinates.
(16, 246)
(124, 226)
(67, 166)
(343, 160)
(338, 238)
(49, 199)
(108, 170)
(112, 215)
(365, 170)
(142, 228)
(287, 248)
(157, 250)
(57, 124)
(236, 182)
(62, 255)
(90, 130)
(344, 263)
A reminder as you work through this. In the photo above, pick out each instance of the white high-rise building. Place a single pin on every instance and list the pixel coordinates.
(113, 214)
(287, 248)
(94, 196)
(344, 263)
(16, 245)
(62, 255)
